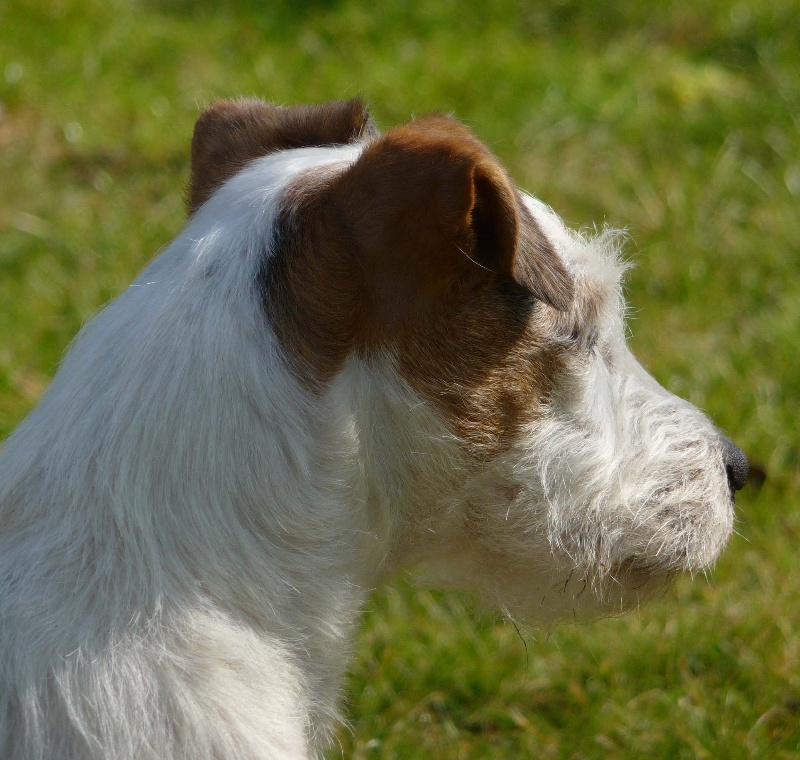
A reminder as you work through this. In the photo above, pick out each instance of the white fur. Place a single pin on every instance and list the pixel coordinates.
(188, 534)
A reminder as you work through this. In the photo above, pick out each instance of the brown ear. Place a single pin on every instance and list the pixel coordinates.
(428, 202)
(230, 133)
(538, 267)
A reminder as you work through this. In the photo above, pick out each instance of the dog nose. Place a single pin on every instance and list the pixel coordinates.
(736, 464)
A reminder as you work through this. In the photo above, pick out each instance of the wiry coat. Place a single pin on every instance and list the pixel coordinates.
(192, 516)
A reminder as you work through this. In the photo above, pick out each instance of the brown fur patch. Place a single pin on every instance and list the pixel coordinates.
(537, 266)
(421, 247)
(230, 133)
(482, 360)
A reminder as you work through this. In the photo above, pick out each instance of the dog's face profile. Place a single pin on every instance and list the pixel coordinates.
(364, 352)
(510, 441)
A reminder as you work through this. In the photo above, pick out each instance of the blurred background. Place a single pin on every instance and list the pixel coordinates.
(679, 121)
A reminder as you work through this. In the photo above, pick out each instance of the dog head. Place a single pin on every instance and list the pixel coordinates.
(504, 437)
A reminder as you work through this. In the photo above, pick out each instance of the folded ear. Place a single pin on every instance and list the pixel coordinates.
(428, 202)
(230, 133)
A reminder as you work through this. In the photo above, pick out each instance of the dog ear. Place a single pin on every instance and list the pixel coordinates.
(428, 202)
(230, 133)
(538, 267)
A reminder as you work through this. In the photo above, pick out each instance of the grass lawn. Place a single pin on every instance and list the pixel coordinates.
(677, 120)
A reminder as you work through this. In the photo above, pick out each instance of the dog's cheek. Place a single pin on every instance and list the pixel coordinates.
(485, 363)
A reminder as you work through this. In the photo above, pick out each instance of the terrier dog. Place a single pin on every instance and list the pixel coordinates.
(363, 352)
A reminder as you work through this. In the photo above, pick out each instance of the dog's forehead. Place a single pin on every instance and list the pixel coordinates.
(595, 263)
(551, 225)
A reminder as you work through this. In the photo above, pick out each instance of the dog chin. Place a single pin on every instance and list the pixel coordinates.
(541, 597)
(586, 588)
(600, 592)
(579, 597)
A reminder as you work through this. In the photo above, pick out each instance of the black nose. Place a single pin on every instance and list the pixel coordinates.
(736, 464)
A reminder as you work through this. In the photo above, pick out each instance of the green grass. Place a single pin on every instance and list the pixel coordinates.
(678, 120)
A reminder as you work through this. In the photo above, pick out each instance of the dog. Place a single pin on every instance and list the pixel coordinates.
(365, 351)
